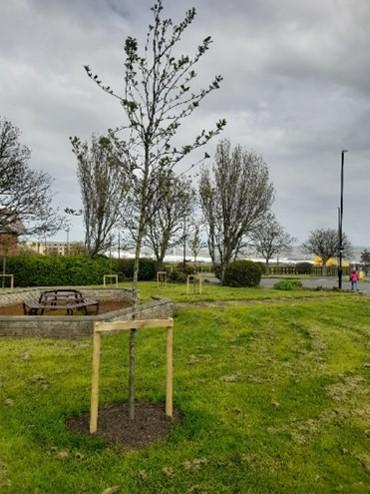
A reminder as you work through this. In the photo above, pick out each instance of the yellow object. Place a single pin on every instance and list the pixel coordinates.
(361, 275)
(317, 261)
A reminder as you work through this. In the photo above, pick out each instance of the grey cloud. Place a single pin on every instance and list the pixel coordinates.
(296, 89)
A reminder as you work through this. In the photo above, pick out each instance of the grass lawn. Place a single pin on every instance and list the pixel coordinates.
(275, 400)
(212, 292)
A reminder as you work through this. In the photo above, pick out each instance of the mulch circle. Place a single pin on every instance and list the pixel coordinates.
(114, 426)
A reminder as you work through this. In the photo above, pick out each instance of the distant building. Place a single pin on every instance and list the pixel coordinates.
(53, 248)
(47, 248)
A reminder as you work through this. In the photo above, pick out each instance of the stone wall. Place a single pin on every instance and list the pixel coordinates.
(19, 295)
(78, 326)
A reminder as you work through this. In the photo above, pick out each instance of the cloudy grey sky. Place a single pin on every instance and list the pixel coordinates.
(296, 89)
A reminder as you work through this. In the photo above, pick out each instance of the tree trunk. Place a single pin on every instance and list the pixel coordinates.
(4, 270)
(133, 332)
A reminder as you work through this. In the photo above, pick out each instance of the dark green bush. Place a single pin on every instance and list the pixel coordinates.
(189, 268)
(178, 273)
(288, 285)
(176, 276)
(242, 273)
(217, 269)
(147, 269)
(262, 266)
(303, 268)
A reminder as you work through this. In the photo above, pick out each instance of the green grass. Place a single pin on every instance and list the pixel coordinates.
(275, 400)
(212, 293)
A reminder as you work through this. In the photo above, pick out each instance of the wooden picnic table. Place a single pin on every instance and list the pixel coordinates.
(60, 299)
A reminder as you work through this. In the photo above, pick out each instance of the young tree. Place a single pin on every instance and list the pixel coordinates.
(158, 96)
(176, 200)
(324, 243)
(103, 188)
(25, 194)
(196, 241)
(270, 239)
(234, 199)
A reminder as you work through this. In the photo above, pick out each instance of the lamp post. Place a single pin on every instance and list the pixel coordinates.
(340, 221)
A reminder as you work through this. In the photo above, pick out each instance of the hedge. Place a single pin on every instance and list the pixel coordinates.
(36, 270)
(242, 273)
(147, 269)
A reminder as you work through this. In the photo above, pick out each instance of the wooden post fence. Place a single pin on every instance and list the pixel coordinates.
(110, 276)
(193, 278)
(161, 278)
(101, 328)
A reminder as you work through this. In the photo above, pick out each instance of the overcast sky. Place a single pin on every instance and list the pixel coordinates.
(296, 90)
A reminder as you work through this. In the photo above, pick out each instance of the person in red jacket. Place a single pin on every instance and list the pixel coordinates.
(354, 277)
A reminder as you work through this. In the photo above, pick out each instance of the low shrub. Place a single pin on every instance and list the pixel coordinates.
(188, 268)
(176, 277)
(288, 285)
(242, 274)
(178, 273)
(303, 268)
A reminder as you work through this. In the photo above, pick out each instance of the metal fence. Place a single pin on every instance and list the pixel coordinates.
(316, 270)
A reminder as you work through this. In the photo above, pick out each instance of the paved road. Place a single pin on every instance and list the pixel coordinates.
(328, 282)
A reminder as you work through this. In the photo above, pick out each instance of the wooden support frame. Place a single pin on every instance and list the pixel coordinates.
(11, 276)
(101, 328)
(161, 278)
(194, 278)
(110, 276)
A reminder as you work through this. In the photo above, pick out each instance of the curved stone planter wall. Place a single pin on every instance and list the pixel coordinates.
(74, 326)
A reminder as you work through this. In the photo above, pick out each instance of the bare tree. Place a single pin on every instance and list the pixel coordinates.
(158, 96)
(234, 199)
(103, 188)
(25, 194)
(270, 239)
(176, 200)
(365, 260)
(324, 243)
(196, 241)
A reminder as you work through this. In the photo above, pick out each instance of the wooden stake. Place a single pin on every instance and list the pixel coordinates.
(169, 372)
(95, 383)
(131, 377)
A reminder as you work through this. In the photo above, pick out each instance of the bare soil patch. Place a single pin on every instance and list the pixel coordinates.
(150, 425)
(104, 306)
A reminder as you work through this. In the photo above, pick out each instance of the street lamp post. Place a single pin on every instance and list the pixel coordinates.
(340, 222)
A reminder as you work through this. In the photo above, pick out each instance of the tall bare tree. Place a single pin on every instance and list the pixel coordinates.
(103, 187)
(158, 96)
(176, 200)
(365, 260)
(270, 239)
(235, 197)
(324, 243)
(25, 194)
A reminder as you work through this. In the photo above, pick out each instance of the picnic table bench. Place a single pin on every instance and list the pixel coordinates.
(60, 299)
